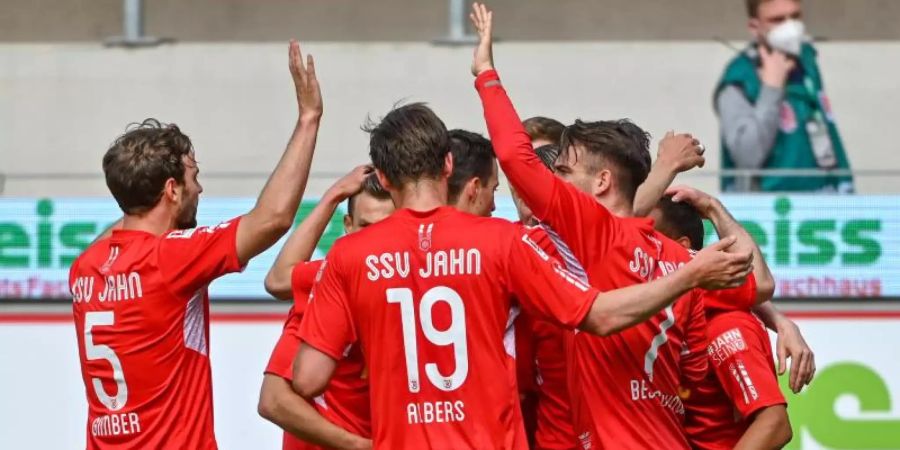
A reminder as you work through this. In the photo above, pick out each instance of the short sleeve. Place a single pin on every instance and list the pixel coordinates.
(327, 324)
(544, 287)
(741, 298)
(741, 356)
(191, 259)
(303, 276)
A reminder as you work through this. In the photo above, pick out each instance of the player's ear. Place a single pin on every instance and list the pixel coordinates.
(172, 190)
(383, 180)
(348, 223)
(602, 182)
(471, 188)
(684, 241)
(448, 165)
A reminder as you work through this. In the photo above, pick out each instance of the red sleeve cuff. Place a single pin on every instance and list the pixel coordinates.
(322, 346)
(486, 77)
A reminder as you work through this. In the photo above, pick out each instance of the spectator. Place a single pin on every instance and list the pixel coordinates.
(773, 110)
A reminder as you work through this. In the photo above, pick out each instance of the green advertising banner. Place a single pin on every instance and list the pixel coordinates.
(817, 246)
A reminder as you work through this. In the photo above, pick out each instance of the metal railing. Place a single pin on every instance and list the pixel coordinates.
(133, 27)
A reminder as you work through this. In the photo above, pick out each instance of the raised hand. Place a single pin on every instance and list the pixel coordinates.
(715, 268)
(700, 200)
(680, 152)
(775, 66)
(350, 184)
(484, 54)
(309, 96)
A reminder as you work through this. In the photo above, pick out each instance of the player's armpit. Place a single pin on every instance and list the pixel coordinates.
(279, 404)
(770, 428)
(312, 371)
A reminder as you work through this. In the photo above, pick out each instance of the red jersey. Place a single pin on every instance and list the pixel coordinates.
(346, 400)
(141, 314)
(743, 378)
(624, 387)
(429, 296)
(545, 344)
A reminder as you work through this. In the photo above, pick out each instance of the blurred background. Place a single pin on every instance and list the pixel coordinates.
(75, 73)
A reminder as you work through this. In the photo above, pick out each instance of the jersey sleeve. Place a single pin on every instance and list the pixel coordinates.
(303, 276)
(741, 356)
(544, 287)
(553, 201)
(191, 259)
(741, 298)
(694, 362)
(327, 324)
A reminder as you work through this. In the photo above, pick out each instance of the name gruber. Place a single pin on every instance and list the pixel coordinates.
(116, 288)
(116, 425)
(437, 264)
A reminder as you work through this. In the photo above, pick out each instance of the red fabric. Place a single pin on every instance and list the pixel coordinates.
(742, 380)
(620, 387)
(151, 320)
(429, 295)
(346, 400)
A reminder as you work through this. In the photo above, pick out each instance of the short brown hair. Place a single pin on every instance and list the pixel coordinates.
(371, 187)
(753, 7)
(139, 163)
(619, 143)
(544, 128)
(473, 156)
(410, 143)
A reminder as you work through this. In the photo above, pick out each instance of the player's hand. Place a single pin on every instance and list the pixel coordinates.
(484, 54)
(790, 344)
(680, 152)
(350, 184)
(715, 268)
(309, 96)
(700, 200)
(775, 66)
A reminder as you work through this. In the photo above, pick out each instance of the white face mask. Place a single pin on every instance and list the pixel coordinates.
(787, 37)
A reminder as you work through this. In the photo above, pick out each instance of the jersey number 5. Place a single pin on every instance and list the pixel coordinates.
(455, 335)
(94, 352)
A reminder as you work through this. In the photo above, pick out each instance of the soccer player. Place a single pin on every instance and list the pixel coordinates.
(474, 179)
(346, 402)
(427, 294)
(140, 302)
(625, 387)
(742, 378)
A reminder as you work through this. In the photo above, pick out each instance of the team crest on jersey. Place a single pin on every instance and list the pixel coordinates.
(113, 254)
(425, 236)
(787, 118)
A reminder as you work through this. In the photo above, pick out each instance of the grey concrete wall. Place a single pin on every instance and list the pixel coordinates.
(423, 20)
(61, 105)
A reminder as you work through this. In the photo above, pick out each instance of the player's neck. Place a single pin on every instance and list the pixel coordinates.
(422, 195)
(617, 205)
(154, 222)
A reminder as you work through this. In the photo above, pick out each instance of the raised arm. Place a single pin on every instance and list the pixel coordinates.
(711, 208)
(533, 182)
(677, 153)
(302, 242)
(277, 204)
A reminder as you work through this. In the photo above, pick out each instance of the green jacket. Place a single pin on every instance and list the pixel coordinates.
(804, 100)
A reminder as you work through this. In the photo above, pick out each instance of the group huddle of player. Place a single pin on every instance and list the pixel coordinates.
(431, 325)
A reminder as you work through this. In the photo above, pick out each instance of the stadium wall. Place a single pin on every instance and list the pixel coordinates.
(852, 403)
(62, 104)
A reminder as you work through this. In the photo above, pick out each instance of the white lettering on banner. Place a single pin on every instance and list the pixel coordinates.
(643, 390)
(435, 412)
(439, 263)
(120, 287)
(116, 425)
(726, 345)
